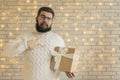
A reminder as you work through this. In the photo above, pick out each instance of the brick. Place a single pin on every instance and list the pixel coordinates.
(89, 77)
(109, 73)
(95, 73)
(5, 78)
(104, 77)
(91, 42)
(113, 69)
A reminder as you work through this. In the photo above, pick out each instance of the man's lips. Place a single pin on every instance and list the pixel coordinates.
(44, 25)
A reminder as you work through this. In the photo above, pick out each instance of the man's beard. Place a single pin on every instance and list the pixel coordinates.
(39, 28)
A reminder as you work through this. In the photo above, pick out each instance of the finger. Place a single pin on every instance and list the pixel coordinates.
(36, 40)
(40, 43)
(37, 44)
(73, 74)
(69, 75)
(37, 37)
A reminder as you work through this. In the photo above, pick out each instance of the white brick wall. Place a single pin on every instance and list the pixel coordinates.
(92, 26)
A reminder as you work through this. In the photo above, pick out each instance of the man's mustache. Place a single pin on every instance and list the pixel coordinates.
(44, 23)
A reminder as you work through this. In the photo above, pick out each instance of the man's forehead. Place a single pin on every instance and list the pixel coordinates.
(46, 13)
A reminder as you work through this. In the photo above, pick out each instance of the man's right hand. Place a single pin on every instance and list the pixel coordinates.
(32, 43)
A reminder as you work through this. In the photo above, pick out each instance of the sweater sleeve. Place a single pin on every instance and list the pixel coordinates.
(58, 42)
(15, 47)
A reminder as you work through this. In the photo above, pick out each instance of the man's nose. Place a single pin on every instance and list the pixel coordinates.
(45, 19)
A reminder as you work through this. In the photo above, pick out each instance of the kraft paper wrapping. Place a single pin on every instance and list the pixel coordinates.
(65, 59)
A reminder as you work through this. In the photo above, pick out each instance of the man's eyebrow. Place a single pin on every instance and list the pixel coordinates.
(45, 16)
(42, 15)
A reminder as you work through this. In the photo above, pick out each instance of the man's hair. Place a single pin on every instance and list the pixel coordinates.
(47, 9)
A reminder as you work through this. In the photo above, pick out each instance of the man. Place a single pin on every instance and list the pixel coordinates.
(38, 48)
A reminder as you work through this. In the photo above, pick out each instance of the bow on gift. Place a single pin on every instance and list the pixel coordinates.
(63, 52)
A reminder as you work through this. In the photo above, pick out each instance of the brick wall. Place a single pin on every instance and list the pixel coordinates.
(92, 26)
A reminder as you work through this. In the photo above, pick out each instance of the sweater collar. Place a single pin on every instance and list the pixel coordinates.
(41, 33)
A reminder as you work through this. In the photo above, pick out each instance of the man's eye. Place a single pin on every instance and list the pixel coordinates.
(43, 17)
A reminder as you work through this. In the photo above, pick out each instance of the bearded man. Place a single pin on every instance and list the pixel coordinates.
(38, 48)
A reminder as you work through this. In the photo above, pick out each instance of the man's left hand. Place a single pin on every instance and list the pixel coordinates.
(70, 74)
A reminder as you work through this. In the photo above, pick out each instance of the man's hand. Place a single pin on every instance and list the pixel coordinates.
(32, 43)
(70, 74)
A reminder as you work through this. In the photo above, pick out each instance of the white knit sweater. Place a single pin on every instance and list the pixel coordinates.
(37, 60)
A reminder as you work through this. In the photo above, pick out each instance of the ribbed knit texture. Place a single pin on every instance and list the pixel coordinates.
(37, 60)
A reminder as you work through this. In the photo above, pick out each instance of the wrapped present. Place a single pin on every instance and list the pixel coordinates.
(65, 59)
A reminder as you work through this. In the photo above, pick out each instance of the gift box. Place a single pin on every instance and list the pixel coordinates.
(65, 59)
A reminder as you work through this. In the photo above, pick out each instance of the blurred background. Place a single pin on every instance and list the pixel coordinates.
(91, 26)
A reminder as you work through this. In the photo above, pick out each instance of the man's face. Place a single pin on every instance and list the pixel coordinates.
(44, 21)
